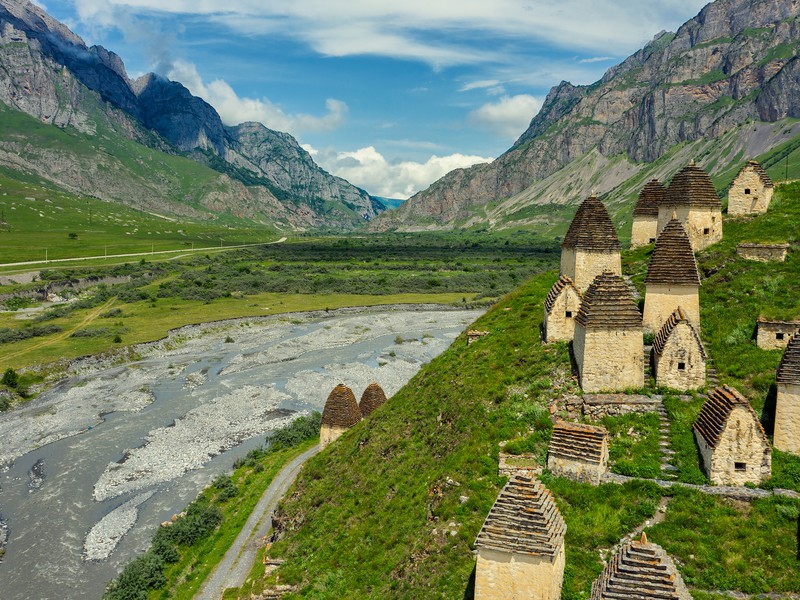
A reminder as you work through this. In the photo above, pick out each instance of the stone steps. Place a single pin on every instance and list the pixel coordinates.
(667, 469)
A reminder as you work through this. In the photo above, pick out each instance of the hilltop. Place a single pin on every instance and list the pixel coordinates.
(723, 88)
(393, 507)
(149, 143)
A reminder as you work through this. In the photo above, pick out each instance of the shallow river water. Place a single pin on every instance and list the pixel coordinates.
(94, 465)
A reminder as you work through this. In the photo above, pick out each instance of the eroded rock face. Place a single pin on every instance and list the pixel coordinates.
(736, 60)
(49, 73)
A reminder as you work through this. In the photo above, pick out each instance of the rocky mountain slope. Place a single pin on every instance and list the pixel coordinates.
(47, 72)
(734, 64)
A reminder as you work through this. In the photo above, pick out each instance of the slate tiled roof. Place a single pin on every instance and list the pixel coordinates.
(650, 199)
(673, 261)
(716, 410)
(692, 187)
(759, 170)
(591, 228)
(678, 316)
(608, 303)
(523, 519)
(789, 369)
(555, 292)
(341, 408)
(640, 570)
(578, 441)
(371, 399)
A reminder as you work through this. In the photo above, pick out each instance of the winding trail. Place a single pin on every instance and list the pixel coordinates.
(234, 567)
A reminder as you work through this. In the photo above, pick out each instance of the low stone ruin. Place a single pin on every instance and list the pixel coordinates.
(762, 252)
(578, 452)
(521, 544)
(775, 335)
(473, 335)
(341, 412)
(640, 570)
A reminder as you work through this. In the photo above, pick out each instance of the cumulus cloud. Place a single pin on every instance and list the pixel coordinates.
(508, 117)
(233, 109)
(432, 32)
(369, 169)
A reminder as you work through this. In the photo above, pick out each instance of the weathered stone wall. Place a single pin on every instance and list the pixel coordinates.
(579, 470)
(660, 301)
(681, 349)
(703, 225)
(787, 418)
(748, 195)
(740, 442)
(506, 575)
(644, 231)
(763, 252)
(329, 434)
(609, 359)
(775, 335)
(596, 406)
(557, 325)
(583, 266)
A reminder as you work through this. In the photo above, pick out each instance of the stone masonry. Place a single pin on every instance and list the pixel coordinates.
(775, 335)
(679, 356)
(521, 544)
(578, 452)
(692, 199)
(341, 412)
(732, 442)
(751, 192)
(372, 398)
(787, 407)
(591, 245)
(609, 342)
(672, 279)
(645, 214)
(560, 309)
(762, 252)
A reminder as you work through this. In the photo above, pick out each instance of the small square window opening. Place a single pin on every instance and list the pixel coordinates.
(739, 466)
(681, 366)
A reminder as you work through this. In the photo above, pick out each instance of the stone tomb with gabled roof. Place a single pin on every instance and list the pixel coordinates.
(590, 245)
(645, 214)
(672, 279)
(732, 442)
(751, 192)
(640, 570)
(692, 198)
(787, 406)
(560, 309)
(609, 341)
(372, 398)
(678, 354)
(521, 544)
(578, 452)
(341, 412)
(775, 335)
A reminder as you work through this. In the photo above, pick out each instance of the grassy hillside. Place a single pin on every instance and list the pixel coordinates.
(391, 510)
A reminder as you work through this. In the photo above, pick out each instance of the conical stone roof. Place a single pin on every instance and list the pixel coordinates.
(341, 408)
(789, 369)
(371, 399)
(555, 291)
(640, 570)
(608, 304)
(715, 412)
(591, 228)
(650, 198)
(524, 519)
(673, 261)
(692, 187)
(677, 316)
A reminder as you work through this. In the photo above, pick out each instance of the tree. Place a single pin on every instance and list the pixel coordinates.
(10, 378)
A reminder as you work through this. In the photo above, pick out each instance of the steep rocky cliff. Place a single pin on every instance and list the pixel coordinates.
(735, 62)
(47, 72)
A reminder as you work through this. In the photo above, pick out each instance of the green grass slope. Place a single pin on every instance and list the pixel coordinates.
(392, 509)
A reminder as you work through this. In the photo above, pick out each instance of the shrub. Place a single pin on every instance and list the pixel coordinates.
(295, 433)
(10, 378)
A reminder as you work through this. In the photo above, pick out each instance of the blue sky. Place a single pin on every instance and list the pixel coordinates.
(390, 95)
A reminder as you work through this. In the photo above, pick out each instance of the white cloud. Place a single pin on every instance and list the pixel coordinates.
(420, 29)
(508, 117)
(369, 169)
(234, 109)
(479, 85)
(595, 59)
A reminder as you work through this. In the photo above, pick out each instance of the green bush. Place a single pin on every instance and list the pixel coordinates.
(295, 433)
(10, 378)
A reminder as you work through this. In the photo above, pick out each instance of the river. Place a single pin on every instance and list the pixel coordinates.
(94, 465)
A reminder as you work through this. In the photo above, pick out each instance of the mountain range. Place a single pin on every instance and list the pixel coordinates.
(724, 88)
(149, 142)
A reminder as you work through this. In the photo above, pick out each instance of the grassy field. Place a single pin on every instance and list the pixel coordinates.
(392, 509)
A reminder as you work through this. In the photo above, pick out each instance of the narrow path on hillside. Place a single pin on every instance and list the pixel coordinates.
(235, 566)
(93, 314)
